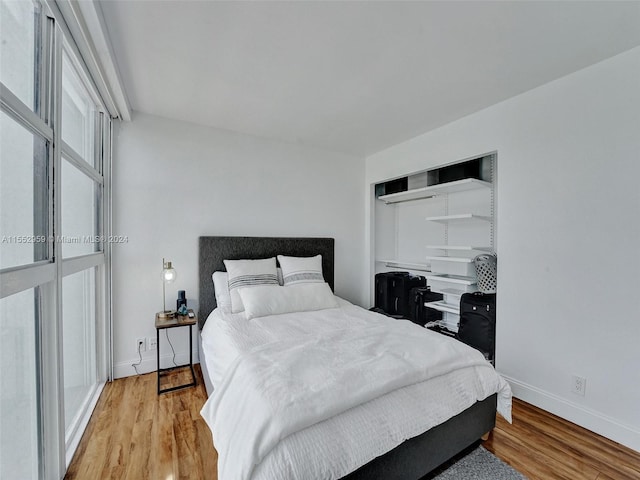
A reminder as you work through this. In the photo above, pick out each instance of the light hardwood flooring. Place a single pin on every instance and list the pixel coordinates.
(543, 446)
(135, 434)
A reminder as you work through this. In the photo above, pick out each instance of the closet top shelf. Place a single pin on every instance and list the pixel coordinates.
(435, 190)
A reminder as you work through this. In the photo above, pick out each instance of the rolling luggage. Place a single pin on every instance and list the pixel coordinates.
(477, 326)
(418, 313)
(383, 297)
(392, 291)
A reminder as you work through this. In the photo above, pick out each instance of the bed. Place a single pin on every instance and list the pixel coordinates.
(380, 437)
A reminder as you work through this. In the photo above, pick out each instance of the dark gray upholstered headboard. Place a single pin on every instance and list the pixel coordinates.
(213, 250)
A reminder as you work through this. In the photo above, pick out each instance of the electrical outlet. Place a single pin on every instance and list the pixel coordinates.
(141, 345)
(152, 343)
(578, 385)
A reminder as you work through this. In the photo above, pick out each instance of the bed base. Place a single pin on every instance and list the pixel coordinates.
(416, 457)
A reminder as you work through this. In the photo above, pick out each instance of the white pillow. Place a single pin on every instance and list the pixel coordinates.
(249, 273)
(296, 270)
(221, 288)
(273, 300)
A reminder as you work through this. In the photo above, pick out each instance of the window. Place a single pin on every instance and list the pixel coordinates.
(80, 211)
(54, 271)
(23, 195)
(19, 46)
(18, 386)
(78, 113)
(79, 342)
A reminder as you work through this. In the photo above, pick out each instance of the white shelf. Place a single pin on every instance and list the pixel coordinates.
(451, 259)
(463, 217)
(459, 279)
(421, 267)
(452, 291)
(435, 190)
(443, 307)
(466, 248)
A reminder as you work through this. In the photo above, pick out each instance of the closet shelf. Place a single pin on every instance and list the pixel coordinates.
(459, 279)
(435, 190)
(452, 291)
(451, 259)
(421, 267)
(463, 217)
(459, 247)
(443, 307)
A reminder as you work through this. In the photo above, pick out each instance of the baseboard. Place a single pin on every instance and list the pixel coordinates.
(148, 364)
(578, 414)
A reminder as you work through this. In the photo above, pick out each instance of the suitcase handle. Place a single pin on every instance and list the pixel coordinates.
(396, 305)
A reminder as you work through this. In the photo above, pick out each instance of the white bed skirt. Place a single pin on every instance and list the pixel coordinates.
(203, 366)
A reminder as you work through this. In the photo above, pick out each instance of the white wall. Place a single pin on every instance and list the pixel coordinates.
(568, 231)
(175, 181)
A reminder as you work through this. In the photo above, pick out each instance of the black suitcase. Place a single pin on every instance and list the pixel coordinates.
(392, 291)
(383, 295)
(418, 313)
(477, 326)
(401, 289)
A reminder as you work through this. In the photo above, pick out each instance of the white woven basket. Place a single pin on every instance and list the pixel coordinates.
(487, 272)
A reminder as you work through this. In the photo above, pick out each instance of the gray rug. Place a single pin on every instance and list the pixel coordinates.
(478, 464)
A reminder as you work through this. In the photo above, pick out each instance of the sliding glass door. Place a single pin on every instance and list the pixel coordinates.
(81, 183)
(54, 152)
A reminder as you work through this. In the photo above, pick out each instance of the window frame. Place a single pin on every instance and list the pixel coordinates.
(45, 276)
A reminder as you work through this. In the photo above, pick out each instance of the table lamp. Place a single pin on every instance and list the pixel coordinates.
(168, 276)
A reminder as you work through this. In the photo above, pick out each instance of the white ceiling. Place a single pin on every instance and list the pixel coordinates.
(355, 77)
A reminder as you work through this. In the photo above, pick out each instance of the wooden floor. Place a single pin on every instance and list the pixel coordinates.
(136, 434)
(543, 446)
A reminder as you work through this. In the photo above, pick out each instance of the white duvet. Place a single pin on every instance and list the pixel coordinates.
(291, 388)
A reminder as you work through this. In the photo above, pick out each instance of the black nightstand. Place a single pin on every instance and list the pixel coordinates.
(177, 321)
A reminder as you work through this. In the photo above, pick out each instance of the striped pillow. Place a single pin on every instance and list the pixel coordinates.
(249, 273)
(297, 270)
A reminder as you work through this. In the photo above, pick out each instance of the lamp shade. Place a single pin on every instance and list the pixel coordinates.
(169, 273)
